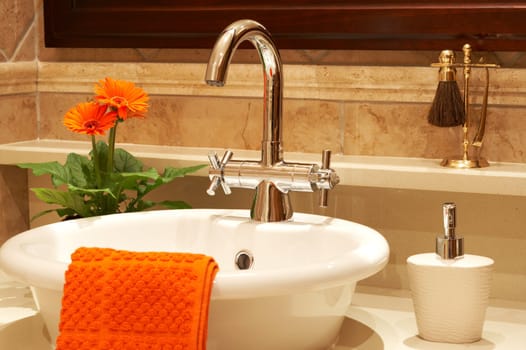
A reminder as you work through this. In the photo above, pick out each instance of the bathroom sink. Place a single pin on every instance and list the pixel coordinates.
(282, 285)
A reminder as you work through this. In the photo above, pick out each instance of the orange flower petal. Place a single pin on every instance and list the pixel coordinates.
(122, 96)
(89, 118)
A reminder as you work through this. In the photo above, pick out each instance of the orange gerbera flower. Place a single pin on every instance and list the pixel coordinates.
(89, 118)
(123, 96)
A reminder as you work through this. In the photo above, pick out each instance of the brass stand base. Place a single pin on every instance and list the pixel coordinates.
(464, 163)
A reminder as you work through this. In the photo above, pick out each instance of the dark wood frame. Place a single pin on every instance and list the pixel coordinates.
(295, 24)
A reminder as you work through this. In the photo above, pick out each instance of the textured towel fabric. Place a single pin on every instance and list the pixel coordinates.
(129, 300)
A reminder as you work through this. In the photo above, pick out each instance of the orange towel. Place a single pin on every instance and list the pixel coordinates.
(128, 300)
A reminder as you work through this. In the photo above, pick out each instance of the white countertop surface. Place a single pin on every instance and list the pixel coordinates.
(379, 319)
(21, 327)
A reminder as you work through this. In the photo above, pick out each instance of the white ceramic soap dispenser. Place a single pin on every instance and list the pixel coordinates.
(450, 290)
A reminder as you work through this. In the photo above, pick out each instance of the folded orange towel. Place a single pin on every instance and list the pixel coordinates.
(129, 300)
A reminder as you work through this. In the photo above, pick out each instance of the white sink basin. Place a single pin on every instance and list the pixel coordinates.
(293, 297)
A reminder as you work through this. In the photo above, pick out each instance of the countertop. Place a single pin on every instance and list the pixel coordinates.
(372, 171)
(378, 319)
(381, 319)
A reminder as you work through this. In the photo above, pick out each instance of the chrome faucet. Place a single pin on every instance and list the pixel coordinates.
(272, 177)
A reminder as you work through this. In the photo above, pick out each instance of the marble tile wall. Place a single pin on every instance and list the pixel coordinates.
(18, 30)
(18, 104)
(354, 102)
(351, 110)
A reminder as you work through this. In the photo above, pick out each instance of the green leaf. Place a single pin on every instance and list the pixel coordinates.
(62, 212)
(67, 212)
(150, 174)
(44, 212)
(143, 205)
(80, 170)
(59, 175)
(171, 173)
(90, 191)
(64, 199)
(136, 180)
(125, 162)
(168, 176)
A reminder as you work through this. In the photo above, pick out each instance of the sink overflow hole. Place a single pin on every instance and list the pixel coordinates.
(244, 260)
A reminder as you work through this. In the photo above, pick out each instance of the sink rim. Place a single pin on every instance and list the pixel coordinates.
(369, 257)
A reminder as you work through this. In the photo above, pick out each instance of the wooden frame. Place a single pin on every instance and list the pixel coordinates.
(295, 24)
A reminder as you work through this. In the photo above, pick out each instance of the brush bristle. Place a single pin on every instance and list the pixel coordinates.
(448, 106)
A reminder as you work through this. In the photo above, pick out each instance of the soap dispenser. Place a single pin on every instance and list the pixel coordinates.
(450, 289)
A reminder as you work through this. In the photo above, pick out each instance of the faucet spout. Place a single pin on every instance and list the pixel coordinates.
(217, 71)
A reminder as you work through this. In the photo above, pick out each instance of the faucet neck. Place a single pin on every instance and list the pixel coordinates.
(224, 49)
(271, 151)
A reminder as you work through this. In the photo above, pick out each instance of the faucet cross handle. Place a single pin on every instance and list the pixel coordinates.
(328, 178)
(218, 180)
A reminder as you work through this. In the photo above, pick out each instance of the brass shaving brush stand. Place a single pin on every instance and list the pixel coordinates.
(468, 160)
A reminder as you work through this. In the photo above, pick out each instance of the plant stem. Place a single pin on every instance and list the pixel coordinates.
(111, 148)
(95, 156)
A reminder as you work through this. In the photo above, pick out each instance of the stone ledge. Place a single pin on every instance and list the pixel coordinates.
(369, 171)
(333, 83)
(18, 78)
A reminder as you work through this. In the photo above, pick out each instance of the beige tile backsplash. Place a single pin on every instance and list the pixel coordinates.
(359, 103)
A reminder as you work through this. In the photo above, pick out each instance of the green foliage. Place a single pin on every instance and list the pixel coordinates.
(84, 187)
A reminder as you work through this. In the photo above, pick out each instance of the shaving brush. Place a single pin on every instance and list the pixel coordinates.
(448, 106)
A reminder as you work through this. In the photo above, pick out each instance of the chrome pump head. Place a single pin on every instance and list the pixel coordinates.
(450, 246)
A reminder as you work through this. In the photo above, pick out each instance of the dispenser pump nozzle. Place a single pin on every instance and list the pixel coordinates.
(449, 211)
(449, 246)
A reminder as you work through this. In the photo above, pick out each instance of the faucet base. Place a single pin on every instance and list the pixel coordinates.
(270, 204)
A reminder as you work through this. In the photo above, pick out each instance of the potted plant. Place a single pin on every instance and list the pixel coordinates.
(109, 180)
